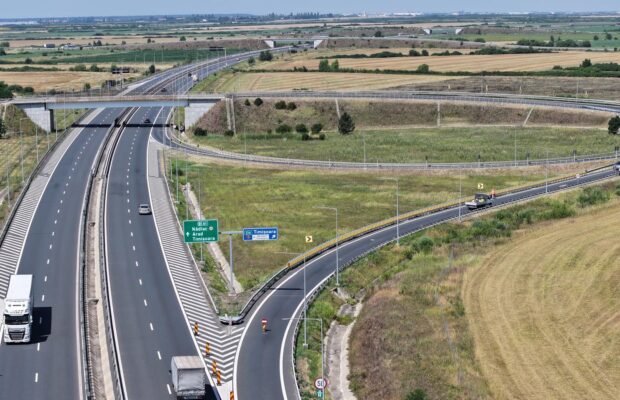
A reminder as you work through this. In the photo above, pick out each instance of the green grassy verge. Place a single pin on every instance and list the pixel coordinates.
(241, 197)
(412, 334)
(421, 144)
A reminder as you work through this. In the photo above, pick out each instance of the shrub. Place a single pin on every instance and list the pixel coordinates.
(418, 394)
(182, 39)
(280, 105)
(229, 132)
(316, 128)
(200, 131)
(324, 65)
(414, 53)
(291, 106)
(614, 125)
(423, 69)
(258, 102)
(425, 53)
(283, 128)
(301, 128)
(265, 56)
(425, 244)
(305, 136)
(591, 196)
(251, 61)
(335, 65)
(346, 124)
(247, 102)
(322, 137)
(559, 210)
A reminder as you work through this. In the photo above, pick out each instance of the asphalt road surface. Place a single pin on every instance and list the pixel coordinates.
(264, 369)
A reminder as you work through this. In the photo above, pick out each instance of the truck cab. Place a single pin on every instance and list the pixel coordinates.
(480, 200)
(617, 167)
(17, 314)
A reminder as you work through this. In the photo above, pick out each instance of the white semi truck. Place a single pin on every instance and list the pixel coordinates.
(17, 316)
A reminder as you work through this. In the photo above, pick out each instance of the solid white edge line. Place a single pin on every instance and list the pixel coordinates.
(198, 350)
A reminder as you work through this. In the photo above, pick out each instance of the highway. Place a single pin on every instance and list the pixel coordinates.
(150, 325)
(50, 366)
(263, 367)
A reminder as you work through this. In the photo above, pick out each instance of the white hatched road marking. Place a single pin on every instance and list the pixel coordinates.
(195, 303)
(11, 249)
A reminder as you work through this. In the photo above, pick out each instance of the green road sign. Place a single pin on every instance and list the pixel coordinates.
(204, 231)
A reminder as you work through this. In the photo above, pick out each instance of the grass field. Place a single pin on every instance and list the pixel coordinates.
(254, 82)
(241, 197)
(595, 88)
(60, 80)
(543, 311)
(415, 145)
(418, 331)
(471, 63)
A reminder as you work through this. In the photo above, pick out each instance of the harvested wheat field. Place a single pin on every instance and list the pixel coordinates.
(42, 81)
(544, 311)
(502, 62)
(280, 81)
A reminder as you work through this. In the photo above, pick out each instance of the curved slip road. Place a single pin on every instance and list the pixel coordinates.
(264, 366)
(557, 102)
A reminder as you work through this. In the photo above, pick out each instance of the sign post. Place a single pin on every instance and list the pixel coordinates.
(200, 231)
(258, 234)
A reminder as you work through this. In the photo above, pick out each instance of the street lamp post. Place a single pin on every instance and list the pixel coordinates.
(397, 208)
(337, 257)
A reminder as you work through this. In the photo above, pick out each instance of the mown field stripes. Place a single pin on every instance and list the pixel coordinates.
(196, 305)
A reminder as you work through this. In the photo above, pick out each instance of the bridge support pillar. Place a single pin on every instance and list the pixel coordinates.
(194, 112)
(41, 117)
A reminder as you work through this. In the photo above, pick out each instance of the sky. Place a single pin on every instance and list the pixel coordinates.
(72, 8)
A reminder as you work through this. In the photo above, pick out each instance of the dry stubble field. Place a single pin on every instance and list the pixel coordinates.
(504, 62)
(544, 311)
(255, 82)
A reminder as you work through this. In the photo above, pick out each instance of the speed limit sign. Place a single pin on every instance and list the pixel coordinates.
(320, 383)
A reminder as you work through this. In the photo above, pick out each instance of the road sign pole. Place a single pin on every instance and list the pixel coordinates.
(230, 248)
(305, 307)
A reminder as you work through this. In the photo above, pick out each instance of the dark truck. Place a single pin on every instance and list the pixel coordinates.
(480, 200)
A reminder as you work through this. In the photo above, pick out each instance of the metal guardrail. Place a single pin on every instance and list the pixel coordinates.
(103, 171)
(83, 299)
(314, 252)
(31, 177)
(343, 265)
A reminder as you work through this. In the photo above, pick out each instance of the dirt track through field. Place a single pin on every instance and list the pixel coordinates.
(545, 312)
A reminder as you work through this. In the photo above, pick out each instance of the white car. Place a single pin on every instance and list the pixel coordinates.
(144, 209)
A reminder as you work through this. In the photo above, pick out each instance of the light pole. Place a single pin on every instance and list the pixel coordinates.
(305, 295)
(397, 208)
(460, 191)
(547, 172)
(337, 257)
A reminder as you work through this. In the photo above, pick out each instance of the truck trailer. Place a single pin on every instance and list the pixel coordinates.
(188, 377)
(17, 315)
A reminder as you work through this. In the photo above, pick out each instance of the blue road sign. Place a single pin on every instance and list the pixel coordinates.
(254, 234)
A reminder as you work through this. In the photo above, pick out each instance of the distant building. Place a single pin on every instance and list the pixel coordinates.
(69, 46)
(49, 45)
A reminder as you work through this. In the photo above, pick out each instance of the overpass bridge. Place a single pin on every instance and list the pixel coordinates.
(41, 109)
